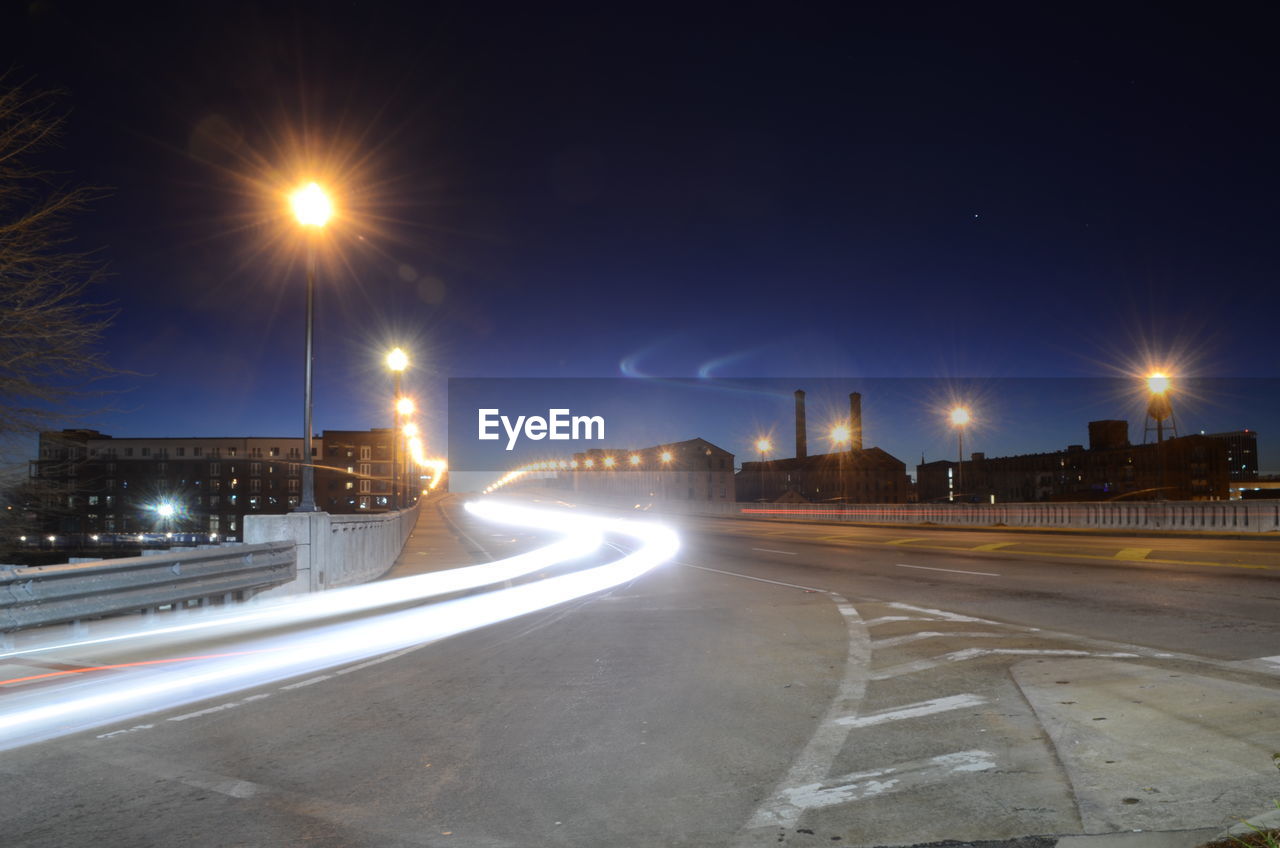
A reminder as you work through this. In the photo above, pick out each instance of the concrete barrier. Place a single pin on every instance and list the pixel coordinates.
(334, 550)
(1242, 517)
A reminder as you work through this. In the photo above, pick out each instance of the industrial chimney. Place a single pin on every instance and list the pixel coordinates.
(855, 421)
(802, 446)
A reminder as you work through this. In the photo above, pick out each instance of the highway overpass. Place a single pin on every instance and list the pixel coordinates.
(772, 683)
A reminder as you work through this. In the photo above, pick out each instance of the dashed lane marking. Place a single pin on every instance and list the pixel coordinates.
(1132, 553)
(772, 551)
(949, 570)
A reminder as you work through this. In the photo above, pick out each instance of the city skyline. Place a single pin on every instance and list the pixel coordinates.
(717, 210)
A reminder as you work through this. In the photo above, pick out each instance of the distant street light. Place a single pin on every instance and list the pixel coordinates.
(397, 360)
(1160, 409)
(312, 208)
(959, 418)
(763, 446)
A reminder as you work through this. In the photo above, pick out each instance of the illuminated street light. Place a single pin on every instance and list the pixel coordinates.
(608, 462)
(666, 456)
(312, 208)
(590, 463)
(165, 510)
(1158, 383)
(410, 429)
(763, 446)
(635, 459)
(397, 360)
(959, 418)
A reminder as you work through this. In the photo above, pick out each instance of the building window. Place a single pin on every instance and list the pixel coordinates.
(197, 451)
(215, 469)
(162, 468)
(364, 469)
(182, 451)
(128, 451)
(146, 451)
(364, 486)
(231, 452)
(235, 483)
(364, 503)
(295, 453)
(214, 500)
(365, 452)
(293, 486)
(274, 452)
(293, 469)
(255, 469)
(351, 484)
(255, 485)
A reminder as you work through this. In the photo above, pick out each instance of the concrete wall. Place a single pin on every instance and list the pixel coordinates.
(1177, 516)
(334, 550)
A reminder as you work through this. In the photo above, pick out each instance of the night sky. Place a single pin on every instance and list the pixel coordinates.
(749, 190)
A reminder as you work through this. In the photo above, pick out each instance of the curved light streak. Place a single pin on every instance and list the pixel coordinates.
(55, 709)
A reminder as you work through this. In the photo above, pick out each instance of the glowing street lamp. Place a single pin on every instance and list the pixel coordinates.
(840, 435)
(959, 418)
(763, 446)
(666, 456)
(635, 459)
(397, 361)
(312, 209)
(608, 462)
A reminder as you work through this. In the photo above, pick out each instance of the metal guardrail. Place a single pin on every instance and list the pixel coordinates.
(56, 594)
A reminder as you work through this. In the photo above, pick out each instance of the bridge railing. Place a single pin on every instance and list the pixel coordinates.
(57, 594)
(283, 555)
(1243, 517)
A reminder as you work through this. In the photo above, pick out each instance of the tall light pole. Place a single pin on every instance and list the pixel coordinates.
(397, 361)
(404, 408)
(959, 418)
(763, 446)
(841, 435)
(312, 207)
(1160, 409)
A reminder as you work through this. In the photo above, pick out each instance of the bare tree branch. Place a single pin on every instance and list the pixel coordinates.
(49, 328)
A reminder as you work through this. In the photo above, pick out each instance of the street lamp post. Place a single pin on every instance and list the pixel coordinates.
(1159, 408)
(397, 361)
(312, 208)
(959, 417)
(841, 435)
(763, 446)
(404, 408)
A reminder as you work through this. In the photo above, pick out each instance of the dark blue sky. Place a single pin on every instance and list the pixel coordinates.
(744, 190)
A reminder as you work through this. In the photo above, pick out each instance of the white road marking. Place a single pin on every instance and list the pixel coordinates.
(972, 653)
(948, 570)
(868, 784)
(894, 641)
(227, 706)
(1270, 660)
(923, 708)
(124, 730)
(299, 685)
(946, 616)
(885, 619)
(749, 577)
(772, 551)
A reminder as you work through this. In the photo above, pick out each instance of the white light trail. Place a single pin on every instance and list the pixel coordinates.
(580, 539)
(82, 702)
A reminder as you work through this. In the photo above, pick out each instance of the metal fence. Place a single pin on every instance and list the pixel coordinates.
(56, 594)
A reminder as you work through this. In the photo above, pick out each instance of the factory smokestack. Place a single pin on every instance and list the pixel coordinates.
(802, 441)
(855, 421)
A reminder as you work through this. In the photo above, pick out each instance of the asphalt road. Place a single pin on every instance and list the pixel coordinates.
(779, 684)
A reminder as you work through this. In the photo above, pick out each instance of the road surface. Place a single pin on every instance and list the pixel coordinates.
(777, 684)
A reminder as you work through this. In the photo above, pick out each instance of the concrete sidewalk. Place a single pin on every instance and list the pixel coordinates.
(433, 545)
